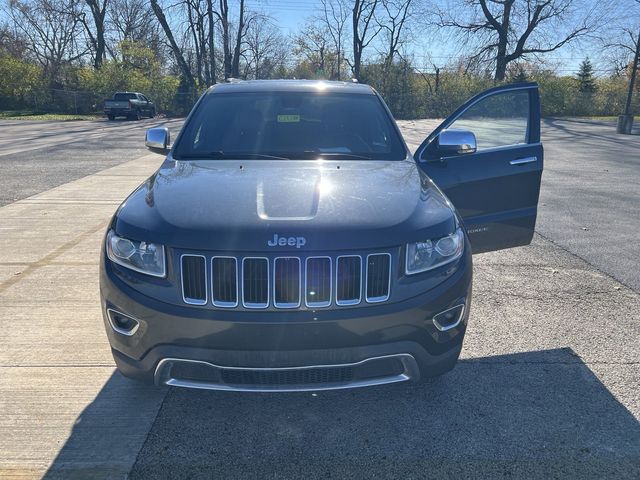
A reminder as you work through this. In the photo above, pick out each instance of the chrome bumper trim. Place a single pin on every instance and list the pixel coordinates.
(163, 376)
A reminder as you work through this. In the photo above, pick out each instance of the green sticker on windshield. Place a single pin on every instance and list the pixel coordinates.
(288, 118)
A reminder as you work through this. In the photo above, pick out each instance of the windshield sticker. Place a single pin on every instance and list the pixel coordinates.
(288, 118)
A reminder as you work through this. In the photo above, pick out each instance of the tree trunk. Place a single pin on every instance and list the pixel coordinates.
(357, 52)
(212, 52)
(632, 80)
(235, 68)
(182, 64)
(98, 15)
(224, 18)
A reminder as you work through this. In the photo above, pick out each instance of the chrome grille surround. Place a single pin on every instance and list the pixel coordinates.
(323, 277)
(348, 301)
(306, 283)
(194, 301)
(295, 304)
(246, 304)
(382, 298)
(224, 304)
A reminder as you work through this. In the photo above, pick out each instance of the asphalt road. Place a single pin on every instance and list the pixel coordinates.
(38, 155)
(547, 385)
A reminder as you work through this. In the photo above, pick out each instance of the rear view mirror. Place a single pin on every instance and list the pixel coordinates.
(456, 142)
(158, 140)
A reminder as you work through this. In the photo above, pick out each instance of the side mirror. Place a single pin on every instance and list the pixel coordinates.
(158, 140)
(456, 142)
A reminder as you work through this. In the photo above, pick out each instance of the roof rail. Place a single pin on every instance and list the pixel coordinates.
(233, 80)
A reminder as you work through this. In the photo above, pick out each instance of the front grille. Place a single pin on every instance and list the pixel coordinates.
(283, 282)
(194, 279)
(306, 376)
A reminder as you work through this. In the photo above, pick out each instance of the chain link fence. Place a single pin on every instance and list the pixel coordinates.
(78, 102)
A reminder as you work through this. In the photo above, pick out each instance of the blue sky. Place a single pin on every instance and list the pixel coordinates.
(291, 14)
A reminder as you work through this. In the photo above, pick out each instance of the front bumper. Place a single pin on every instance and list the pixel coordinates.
(293, 348)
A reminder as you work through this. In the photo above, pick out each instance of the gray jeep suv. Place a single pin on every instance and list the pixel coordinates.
(290, 241)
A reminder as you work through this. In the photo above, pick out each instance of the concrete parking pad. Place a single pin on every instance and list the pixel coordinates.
(55, 361)
(547, 385)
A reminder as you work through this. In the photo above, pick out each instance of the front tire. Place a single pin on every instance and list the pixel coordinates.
(111, 117)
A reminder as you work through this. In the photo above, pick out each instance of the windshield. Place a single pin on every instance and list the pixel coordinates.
(290, 125)
(124, 96)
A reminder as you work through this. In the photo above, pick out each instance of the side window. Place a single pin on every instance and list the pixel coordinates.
(498, 120)
(143, 98)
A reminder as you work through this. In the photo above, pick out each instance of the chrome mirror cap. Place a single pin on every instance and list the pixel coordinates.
(456, 142)
(158, 139)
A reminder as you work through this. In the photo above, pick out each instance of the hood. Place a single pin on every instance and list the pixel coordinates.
(283, 205)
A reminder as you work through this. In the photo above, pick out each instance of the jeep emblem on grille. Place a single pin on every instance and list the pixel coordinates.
(286, 241)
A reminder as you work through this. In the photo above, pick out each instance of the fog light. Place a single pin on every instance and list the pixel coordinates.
(122, 323)
(449, 319)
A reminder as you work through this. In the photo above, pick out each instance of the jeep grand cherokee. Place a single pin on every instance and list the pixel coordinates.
(290, 240)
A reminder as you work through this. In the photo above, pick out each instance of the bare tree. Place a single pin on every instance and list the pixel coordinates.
(393, 23)
(211, 37)
(362, 16)
(625, 48)
(133, 21)
(266, 49)
(232, 54)
(503, 31)
(197, 28)
(184, 67)
(333, 16)
(50, 29)
(312, 48)
(12, 43)
(98, 10)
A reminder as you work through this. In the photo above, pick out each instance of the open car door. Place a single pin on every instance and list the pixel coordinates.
(487, 158)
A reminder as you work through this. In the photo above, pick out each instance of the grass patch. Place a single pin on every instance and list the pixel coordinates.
(29, 115)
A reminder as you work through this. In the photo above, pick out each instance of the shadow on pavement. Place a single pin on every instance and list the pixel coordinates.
(534, 415)
(563, 124)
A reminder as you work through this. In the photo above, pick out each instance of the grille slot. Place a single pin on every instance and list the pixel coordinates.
(318, 282)
(255, 282)
(224, 280)
(194, 279)
(378, 277)
(286, 282)
(306, 376)
(348, 280)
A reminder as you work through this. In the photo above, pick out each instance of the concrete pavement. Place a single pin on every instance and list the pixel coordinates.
(55, 360)
(37, 156)
(547, 385)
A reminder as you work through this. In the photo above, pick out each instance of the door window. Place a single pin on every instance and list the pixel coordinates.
(499, 120)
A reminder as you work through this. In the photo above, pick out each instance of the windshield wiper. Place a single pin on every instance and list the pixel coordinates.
(220, 155)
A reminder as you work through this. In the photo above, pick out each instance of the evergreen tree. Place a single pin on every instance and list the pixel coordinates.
(587, 82)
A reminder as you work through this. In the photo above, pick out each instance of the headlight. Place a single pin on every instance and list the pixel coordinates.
(142, 257)
(430, 254)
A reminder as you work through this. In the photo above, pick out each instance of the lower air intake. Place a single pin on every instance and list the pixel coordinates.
(309, 376)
